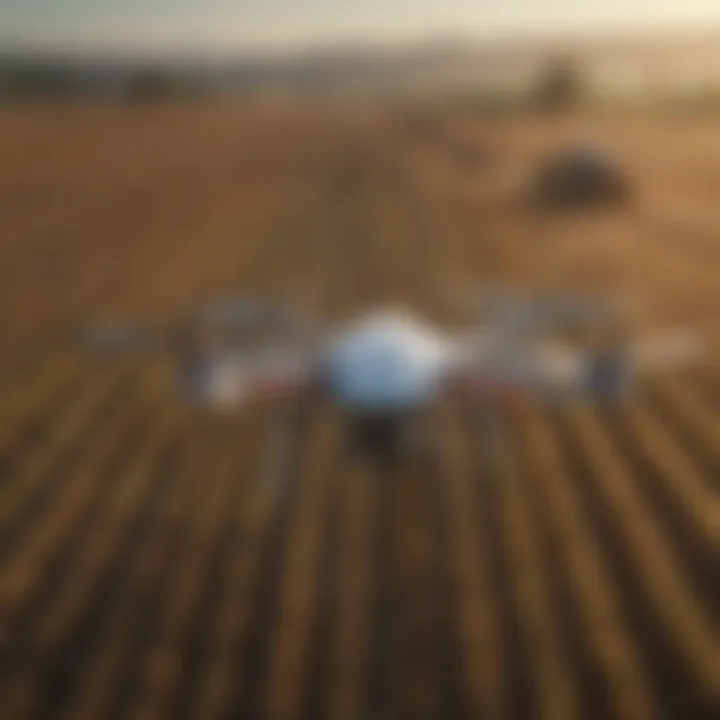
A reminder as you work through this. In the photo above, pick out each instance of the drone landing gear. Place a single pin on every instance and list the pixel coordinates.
(387, 437)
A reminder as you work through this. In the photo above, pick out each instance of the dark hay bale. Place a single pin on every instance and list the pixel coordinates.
(577, 181)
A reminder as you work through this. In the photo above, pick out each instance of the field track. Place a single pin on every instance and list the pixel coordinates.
(158, 564)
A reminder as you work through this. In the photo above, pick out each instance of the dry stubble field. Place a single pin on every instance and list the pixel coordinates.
(156, 564)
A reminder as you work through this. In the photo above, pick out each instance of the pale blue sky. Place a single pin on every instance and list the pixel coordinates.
(257, 24)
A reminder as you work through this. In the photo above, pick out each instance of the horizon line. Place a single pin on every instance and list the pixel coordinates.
(348, 44)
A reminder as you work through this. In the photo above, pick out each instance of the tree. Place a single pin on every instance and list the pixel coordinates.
(27, 80)
(149, 86)
(561, 85)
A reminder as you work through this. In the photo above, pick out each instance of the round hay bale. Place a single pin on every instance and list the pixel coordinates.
(580, 179)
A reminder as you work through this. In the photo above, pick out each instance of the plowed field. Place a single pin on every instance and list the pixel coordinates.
(156, 563)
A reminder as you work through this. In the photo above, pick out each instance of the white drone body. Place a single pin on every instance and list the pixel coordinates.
(387, 362)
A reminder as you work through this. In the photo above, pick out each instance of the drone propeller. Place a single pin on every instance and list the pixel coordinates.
(245, 318)
(567, 312)
(228, 322)
(116, 337)
(519, 311)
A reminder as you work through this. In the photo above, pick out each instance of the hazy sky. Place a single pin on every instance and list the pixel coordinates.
(256, 24)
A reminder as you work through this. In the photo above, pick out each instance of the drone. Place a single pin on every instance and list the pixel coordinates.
(386, 367)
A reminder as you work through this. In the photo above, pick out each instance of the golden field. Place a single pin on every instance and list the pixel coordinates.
(160, 564)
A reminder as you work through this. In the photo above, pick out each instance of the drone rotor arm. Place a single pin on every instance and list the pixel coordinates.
(492, 369)
(234, 380)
